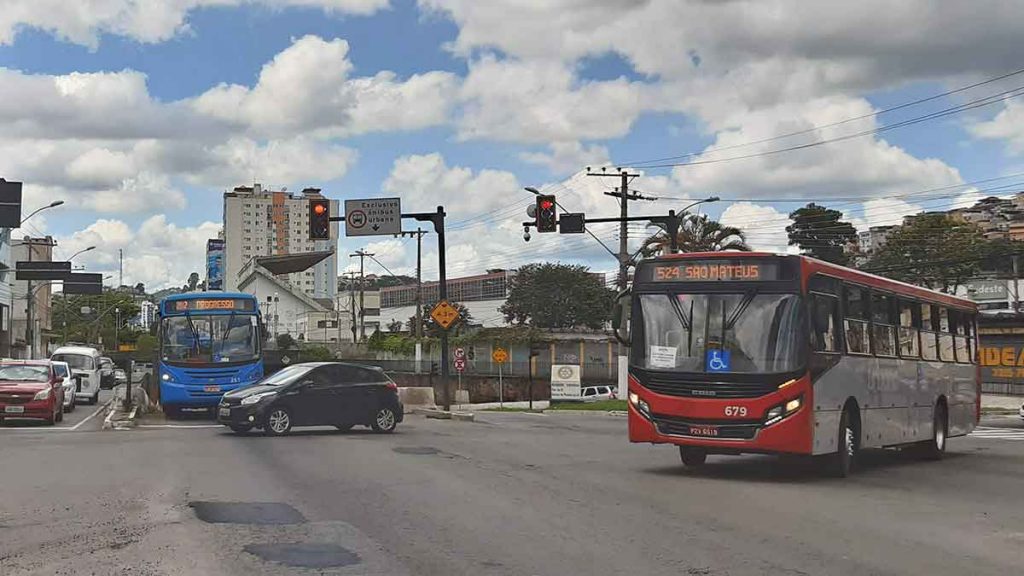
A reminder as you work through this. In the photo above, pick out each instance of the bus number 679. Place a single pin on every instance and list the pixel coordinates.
(736, 411)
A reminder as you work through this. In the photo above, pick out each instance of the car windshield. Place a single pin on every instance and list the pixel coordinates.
(76, 361)
(285, 376)
(201, 339)
(743, 332)
(60, 369)
(24, 373)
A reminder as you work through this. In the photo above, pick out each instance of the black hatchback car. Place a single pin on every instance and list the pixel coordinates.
(314, 394)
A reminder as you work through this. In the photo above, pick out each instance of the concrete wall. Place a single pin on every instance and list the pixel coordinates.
(481, 388)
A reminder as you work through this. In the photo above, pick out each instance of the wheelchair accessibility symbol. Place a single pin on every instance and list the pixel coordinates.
(718, 361)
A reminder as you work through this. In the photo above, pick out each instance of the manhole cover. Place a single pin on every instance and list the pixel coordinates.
(418, 450)
(247, 513)
(304, 555)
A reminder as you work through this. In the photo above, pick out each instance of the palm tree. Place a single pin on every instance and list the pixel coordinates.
(697, 233)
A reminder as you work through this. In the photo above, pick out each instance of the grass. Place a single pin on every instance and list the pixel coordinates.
(601, 405)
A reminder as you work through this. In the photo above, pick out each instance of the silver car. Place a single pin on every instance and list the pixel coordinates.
(64, 371)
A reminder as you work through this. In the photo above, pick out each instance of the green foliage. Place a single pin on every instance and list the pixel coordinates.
(934, 251)
(146, 345)
(317, 354)
(394, 343)
(557, 296)
(193, 281)
(697, 233)
(820, 233)
(98, 320)
(285, 341)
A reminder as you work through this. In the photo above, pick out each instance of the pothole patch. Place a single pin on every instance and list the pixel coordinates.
(269, 513)
(416, 450)
(309, 555)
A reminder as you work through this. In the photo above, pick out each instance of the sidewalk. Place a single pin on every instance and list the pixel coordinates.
(537, 405)
(999, 403)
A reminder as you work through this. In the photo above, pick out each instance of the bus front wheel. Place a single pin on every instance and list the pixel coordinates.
(692, 457)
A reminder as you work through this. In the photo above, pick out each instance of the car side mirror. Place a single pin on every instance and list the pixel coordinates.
(621, 315)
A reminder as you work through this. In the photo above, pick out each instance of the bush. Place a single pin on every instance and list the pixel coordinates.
(285, 341)
(317, 354)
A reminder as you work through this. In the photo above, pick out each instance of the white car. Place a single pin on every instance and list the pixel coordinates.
(595, 393)
(64, 371)
(85, 365)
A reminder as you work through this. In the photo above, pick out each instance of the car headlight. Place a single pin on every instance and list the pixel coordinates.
(42, 394)
(256, 398)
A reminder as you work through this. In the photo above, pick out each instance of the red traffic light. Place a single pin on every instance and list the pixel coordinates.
(319, 208)
(547, 204)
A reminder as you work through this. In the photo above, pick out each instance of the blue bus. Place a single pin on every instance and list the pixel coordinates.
(210, 343)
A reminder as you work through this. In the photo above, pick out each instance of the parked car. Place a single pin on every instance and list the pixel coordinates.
(595, 393)
(85, 366)
(120, 377)
(68, 384)
(314, 394)
(31, 389)
(106, 373)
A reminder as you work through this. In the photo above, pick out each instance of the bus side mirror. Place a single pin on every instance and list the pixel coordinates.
(621, 314)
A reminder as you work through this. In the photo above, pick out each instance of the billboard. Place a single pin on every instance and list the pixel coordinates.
(984, 290)
(215, 264)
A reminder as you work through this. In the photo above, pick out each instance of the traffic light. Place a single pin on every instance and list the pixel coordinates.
(319, 219)
(546, 214)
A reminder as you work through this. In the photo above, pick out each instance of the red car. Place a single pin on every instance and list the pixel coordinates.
(30, 389)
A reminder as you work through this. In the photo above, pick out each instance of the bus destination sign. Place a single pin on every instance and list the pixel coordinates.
(214, 304)
(715, 271)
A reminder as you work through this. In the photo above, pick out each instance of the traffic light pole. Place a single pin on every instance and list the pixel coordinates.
(437, 218)
(672, 222)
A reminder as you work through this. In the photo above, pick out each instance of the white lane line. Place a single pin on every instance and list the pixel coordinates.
(991, 432)
(90, 416)
(180, 426)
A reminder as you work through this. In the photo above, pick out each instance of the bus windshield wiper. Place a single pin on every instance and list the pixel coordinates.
(227, 330)
(740, 309)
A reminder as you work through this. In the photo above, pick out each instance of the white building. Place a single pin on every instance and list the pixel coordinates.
(260, 222)
(146, 317)
(36, 250)
(285, 308)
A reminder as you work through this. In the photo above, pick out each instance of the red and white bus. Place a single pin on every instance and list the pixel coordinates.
(746, 352)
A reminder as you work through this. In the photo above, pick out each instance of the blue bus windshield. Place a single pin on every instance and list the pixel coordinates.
(210, 338)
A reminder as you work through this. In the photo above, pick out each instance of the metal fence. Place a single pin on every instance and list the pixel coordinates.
(1004, 388)
(592, 372)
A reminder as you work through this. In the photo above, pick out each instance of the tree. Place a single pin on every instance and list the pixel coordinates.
(285, 341)
(86, 318)
(557, 296)
(145, 345)
(820, 233)
(431, 329)
(140, 288)
(697, 233)
(932, 250)
(395, 326)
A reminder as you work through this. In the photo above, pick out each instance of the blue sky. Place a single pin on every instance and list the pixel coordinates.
(461, 103)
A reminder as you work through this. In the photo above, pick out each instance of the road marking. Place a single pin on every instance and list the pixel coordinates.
(91, 416)
(180, 426)
(998, 433)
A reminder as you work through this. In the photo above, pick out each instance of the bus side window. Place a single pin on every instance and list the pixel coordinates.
(945, 337)
(929, 336)
(856, 321)
(884, 334)
(824, 323)
(910, 322)
(959, 321)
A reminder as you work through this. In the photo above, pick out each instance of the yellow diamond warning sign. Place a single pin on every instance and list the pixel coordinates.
(444, 314)
(500, 355)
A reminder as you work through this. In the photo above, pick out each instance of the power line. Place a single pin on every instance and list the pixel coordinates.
(840, 122)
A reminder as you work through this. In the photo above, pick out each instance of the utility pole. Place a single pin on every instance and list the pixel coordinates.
(352, 303)
(29, 303)
(362, 254)
(622, 193)
(120, 267)
(419, 293)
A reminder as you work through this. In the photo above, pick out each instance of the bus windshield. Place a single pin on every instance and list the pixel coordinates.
(734, 333)
(210, 338)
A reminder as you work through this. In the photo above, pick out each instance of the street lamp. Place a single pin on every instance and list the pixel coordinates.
(80, 251)
(707, 200)
(53, 204)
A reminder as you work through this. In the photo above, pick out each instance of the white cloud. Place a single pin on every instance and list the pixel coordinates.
(763, 226)
(83, 21)
(1008, 125)
(306, 88)
(426, 181)
(157, 253)
(567, 157)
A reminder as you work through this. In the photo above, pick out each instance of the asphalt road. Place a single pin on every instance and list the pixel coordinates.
(509, 494)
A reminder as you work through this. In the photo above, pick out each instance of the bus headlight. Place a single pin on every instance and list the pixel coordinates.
(166, 377)
(779, 412)
(639, 404)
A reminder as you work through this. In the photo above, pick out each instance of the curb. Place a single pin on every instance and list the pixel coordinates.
(127, 422)
(438, 414)
(615, 413)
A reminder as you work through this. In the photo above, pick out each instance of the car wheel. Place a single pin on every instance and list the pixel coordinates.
(841, 462)
(95, 398)
(278, 421)
(692, 457)
(343, 427)
(935, 448)
(240, 428)
(384, 421)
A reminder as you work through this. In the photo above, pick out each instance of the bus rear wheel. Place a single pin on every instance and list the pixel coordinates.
(692, 457)
(935, 448)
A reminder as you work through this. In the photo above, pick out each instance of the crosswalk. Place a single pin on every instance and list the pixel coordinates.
(998, 433)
